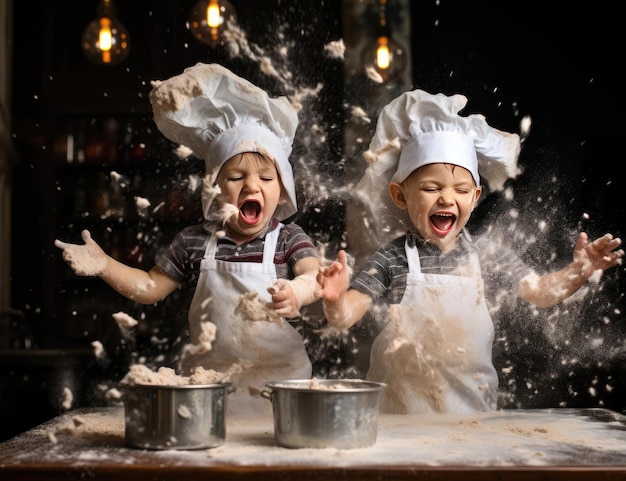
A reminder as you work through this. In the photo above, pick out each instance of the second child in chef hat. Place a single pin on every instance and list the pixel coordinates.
(431, 291)
(217, 114)
(419, 128)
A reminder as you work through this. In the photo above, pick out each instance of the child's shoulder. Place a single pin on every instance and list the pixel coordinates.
(204, 229)
(393, 248)
(290, 229)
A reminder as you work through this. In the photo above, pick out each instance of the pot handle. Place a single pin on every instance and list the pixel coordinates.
(230, 390)
(266, 394)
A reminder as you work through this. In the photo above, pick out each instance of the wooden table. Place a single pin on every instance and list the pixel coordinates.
(513, 445)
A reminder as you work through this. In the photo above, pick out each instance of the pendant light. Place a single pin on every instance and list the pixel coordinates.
(208, 20)
(105, 40)
(385, 55)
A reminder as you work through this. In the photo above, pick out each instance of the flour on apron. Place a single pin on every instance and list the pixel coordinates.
(434, 353)
(269, 351)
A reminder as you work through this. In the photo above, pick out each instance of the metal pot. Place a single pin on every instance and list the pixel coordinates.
(175, 417)
(337, 413)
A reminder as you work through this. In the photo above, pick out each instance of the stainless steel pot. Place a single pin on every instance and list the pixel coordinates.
(175, 417)
(337, 413)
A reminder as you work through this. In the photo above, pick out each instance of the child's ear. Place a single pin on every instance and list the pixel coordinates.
(397, 194)
(477, 192)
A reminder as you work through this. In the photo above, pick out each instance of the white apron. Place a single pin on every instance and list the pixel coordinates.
(435, 351)
(273, 351)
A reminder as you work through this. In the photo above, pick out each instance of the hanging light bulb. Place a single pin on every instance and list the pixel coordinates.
(385, 55)
(105, 40)
(208, 20)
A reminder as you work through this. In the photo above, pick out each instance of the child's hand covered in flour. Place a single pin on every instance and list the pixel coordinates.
(289, 296)
(85, 260)
(284, 299)
(598, 255)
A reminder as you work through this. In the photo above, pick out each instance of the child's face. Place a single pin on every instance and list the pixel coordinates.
(251, 183)
(439, 199)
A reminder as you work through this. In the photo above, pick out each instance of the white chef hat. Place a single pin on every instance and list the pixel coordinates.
(418, 128)
(217, 115)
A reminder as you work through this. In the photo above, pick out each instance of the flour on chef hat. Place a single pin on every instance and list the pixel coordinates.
(418, 128)
(217, 114)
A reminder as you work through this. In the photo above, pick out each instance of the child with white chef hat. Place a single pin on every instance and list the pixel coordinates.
(246, 250)
(425, 285)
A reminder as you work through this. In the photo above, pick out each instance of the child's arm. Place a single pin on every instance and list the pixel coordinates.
(135, 284)
(343, 307)
(289, 296)
(589, 258)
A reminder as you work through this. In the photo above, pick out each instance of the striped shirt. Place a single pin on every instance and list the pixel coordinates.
(383, 276)
(181, 260)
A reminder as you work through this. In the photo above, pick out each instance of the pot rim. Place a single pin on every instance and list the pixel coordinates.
(303, 385)
(177, 387)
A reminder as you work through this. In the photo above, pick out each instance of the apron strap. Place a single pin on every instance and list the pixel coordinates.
(413, 257)
(269, 246)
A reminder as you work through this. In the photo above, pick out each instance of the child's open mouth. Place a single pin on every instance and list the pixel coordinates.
(442, 223)
(249, 212)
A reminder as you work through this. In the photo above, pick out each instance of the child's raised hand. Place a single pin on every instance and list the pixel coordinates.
(334, 278)
(85, 260)
(598, 255)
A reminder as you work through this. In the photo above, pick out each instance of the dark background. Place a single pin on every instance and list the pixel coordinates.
(558, 65)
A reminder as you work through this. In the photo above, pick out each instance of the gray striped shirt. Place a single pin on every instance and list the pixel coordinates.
(383, 276)
(181, 260)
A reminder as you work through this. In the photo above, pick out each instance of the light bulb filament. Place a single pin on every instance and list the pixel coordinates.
(105, 39)
(213, 14)
(383, 57)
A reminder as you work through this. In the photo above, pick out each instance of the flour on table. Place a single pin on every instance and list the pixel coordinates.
(78, 420)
